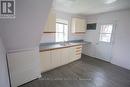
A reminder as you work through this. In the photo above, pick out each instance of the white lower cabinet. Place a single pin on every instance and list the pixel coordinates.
(75, 53)
(58, 57)
(72, 54)
(65, 56)
(55, 58)
(78, 52)
(45, 59)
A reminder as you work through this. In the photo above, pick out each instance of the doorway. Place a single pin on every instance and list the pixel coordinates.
(105, 40)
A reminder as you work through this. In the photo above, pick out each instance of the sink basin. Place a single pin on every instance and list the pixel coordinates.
(65, 44)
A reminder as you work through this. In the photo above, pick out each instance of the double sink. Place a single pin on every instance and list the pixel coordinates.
(59, 45)
(66, 44)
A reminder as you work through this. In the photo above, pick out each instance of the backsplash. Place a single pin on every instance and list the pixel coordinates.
(48, 38)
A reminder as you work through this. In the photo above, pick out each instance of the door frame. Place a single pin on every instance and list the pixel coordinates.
(114, 23)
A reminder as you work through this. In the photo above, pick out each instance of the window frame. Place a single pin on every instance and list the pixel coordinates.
(111, 38)
(63, 31)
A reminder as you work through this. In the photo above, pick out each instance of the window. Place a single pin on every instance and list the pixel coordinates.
(61, 30)
(106, 32)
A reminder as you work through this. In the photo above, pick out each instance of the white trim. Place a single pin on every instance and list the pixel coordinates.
(21, 50)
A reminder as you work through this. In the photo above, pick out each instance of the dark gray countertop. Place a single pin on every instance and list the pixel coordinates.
(50, 46)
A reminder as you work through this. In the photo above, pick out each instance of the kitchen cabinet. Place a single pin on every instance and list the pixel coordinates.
(65, 56)
(50, 26)
(78, 51)
(75, 53)
(72, 54)
(78, 25)
(45, 59)
(57, 57)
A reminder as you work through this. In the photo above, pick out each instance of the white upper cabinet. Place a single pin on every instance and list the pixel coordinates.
(50, 26)
(78, 25)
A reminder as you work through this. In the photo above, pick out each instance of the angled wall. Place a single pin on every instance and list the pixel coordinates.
(21, 37)
(25, 30)
(4, 79)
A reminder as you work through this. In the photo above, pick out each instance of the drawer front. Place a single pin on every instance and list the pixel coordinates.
(78, 52)
(78, 49)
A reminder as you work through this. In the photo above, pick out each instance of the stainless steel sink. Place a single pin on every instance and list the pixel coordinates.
(65, 44)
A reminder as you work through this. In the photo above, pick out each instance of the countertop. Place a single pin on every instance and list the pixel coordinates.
(51, 46)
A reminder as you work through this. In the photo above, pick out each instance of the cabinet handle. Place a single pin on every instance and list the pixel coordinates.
(78, 53)
(78, 47)
(78, 50)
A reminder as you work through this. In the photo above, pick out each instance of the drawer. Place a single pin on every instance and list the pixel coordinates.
(78, 54)
(78, 47)
(78, 50)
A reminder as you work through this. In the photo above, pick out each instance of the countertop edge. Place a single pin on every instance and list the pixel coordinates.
(48, 49)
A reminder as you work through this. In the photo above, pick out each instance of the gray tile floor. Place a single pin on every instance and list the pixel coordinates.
(86, 72)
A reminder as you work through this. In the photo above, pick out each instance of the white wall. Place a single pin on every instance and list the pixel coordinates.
(121, 45)
(26, 66)
(22, 34)
(4, 79)
(51, 37)
(48, 38)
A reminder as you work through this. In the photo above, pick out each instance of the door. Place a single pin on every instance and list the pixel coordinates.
(103, 47)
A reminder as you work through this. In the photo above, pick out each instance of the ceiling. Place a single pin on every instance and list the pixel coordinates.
(86, 7)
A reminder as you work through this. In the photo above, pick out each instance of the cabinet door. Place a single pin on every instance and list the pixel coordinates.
(65, 56)
(55, 58)
(82, 25)
(71, 54)
(78, 25)
(45, 59)
(51, 23)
